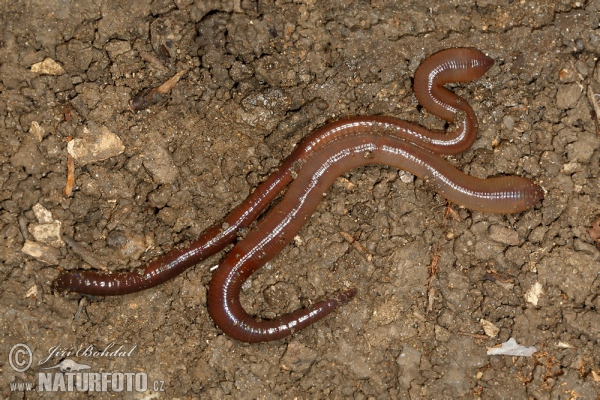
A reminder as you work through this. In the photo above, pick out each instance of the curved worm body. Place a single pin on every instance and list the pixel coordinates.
(331, 150)
(453, 65)
(284, 221)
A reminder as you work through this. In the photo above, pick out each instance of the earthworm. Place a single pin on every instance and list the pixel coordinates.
(452, 65)
(506, 194)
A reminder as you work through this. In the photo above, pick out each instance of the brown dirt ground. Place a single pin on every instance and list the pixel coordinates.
(263, 74)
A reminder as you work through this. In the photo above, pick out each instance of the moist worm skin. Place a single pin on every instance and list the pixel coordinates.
(284, 221)
(453, 65)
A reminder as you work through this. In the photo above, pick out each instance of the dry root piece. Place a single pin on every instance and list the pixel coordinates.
(594, 99)
(84, 253)
(450, 213)
(70, 174)
(503, 282)
(150, 96)
(151, 58)
(364, 252)
(433, 270)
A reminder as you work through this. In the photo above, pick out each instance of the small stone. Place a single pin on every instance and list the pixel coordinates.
(42, 214)
(47, 233)
(32, 292)
(117, 47)
(567, 95)
(567, 75)
(37, 132)
(47, 230)
(509, 122)
(583, 148)
(29, 157)
(158, 161)
(582, 68)
(406, 177)
(134, 247)
(298, 357)
(564, 345)
(48, 67)
(41, 252)
(570, 168)
(408, 361)
(95, 148)
(504, 235)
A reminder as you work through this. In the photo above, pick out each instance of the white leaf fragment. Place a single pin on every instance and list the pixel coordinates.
(489, 328)
(533, 294)
(511, 348)
(564, 345)
(32, 292)
(36, 130)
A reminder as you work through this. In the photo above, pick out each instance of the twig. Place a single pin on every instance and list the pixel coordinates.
(475, 335)
(433, 270)
(82, 304)
(84, 253)
(23, 228)
(151, 96)
(357, 246)
(450, 212)
(594, 98)
(152, 59)
(70, 174)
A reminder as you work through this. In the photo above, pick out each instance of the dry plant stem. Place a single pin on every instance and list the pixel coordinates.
(70, 174)
(151, 96)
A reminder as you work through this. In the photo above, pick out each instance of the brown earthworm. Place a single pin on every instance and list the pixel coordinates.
(505, 194)
(332, 150)
(453, 65)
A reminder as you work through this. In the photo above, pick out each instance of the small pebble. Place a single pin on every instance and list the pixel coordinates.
(41, 252)
(567, 95)
(406, 177)
(509, 122)
(48, 67)
(504, 235)
(95, 147)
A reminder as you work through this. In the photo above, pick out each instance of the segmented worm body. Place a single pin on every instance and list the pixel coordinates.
(332, 150)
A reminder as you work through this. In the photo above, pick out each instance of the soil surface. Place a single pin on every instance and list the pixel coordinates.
(260, 76)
